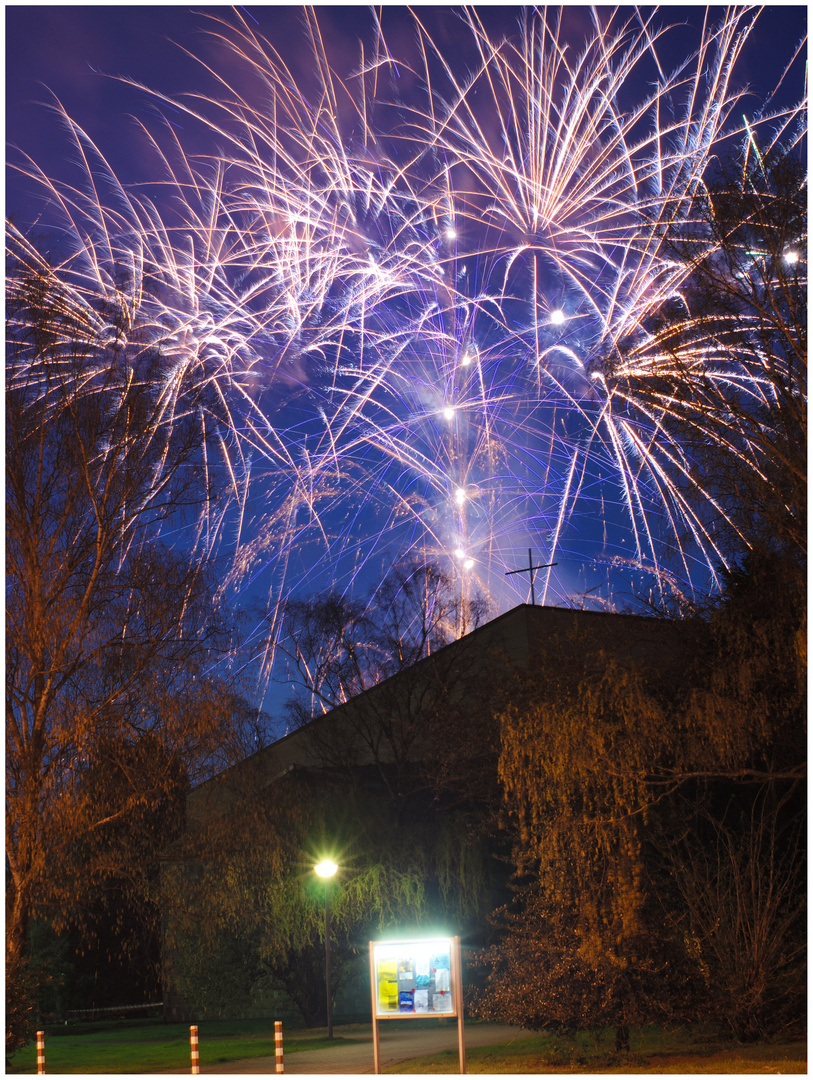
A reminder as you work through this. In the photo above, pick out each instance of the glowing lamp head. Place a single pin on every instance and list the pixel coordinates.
(326, 868)
(791, 257)
(557, 317)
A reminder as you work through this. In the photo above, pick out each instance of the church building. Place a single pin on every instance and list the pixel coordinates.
(418, 749)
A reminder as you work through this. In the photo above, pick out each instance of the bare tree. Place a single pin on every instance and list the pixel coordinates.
(725, 363)
(108, 629)
(741, 876)
(346, 656)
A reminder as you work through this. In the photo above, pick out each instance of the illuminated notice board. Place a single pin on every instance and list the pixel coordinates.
(414, 978)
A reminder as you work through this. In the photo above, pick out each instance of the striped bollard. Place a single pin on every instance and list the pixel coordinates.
(280, 1068)
(193, 1040)
(40, 1052)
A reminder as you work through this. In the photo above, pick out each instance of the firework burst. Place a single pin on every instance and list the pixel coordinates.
(417, 324)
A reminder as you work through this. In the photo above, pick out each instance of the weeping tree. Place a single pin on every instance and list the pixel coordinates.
(244, 911)
(583, 944)
(657, 809)
(395, 722)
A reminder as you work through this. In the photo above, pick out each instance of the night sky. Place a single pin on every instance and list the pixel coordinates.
(553, 488)
(75, 52)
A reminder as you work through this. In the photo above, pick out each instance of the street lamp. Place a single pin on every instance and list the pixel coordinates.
(326, 869)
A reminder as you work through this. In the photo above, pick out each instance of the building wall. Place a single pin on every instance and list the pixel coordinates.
(527, 638)
(521, 637)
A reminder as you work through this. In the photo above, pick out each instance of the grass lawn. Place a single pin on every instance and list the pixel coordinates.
(126, 1046)
(150, 1046)
(652, 1050)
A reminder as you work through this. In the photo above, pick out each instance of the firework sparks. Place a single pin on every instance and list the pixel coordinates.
(420, 327)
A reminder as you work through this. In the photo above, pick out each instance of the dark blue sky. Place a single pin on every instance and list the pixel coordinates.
(73, 50)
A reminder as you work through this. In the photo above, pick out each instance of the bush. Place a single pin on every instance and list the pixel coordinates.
(21, 1020)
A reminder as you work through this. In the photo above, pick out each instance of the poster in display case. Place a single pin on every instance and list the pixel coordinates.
(413, 978)
(418, 977)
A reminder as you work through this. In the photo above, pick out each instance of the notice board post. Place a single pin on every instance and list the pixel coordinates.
(417, 978)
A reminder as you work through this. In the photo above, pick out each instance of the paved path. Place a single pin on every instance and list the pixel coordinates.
(399, 1042)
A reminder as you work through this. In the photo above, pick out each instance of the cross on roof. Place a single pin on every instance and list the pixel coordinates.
(529, 569)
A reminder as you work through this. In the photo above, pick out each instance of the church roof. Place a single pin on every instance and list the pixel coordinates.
(520, 637)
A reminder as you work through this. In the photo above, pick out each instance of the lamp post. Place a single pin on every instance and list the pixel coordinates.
(326, 869)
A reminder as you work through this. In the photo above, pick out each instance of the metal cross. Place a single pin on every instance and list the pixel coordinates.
(529, 569)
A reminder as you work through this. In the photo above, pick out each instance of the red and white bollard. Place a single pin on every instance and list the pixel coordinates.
(193, 1040)
(41, 1052)
(278, 1045)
